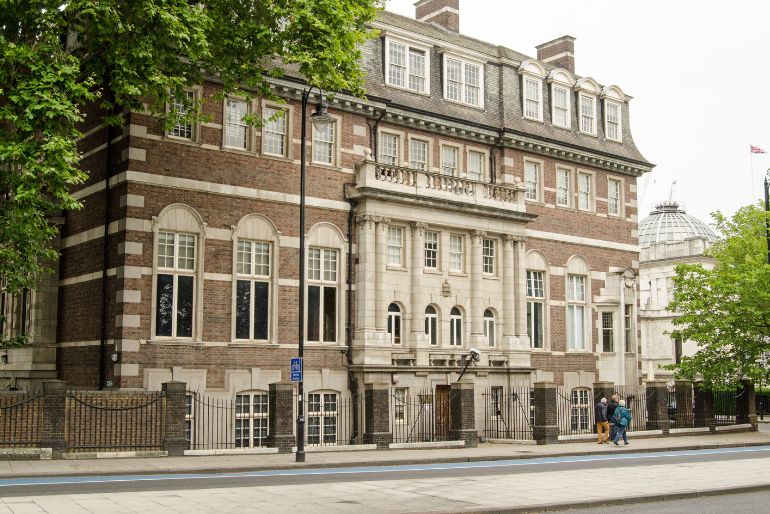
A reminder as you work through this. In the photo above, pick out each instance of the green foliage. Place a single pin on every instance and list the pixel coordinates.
(726, 310)
(58, 55)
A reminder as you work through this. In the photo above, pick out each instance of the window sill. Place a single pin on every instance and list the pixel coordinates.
(458, 274)
(569, 128)
(470, 106)
(170, 341)
(282, 158)
(391, 267)
(408, 90)
(238, 151)
(245, 342)
(537, 120)
(432, 271)
(182, 141)
(325, 165)
(489, 277)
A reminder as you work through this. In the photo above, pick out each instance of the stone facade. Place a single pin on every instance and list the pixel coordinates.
(430, 257)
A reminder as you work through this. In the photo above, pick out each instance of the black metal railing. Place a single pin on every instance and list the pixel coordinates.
(509, 413)
(762, 402)
(21, 418)
(574, 411)
(725, 407)
(420, 417)
(114, 422)
(636, 402)
(329, 419)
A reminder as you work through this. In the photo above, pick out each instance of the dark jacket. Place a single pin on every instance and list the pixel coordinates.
(611, 409)
(600, 412)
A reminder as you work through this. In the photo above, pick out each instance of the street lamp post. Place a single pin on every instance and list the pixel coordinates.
(767, 213)
(320, 119)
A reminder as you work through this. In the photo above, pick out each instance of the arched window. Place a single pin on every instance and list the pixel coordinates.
(455, 327)
(489, 327)
(251, 419)
(394, 323)
(431, 324)
(579, 410)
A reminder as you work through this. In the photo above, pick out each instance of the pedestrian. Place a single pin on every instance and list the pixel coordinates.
(610, 413)
(622, 419)
(602, 423)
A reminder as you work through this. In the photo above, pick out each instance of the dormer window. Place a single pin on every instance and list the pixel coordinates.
(613, 113)
(533, 98)
(561, 114)
(588, 114)
(407, 66)
(463, 81)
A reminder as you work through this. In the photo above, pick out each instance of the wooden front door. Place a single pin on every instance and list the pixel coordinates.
(442, 412)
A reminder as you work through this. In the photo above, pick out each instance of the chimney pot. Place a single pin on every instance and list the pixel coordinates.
(445, 13)
(558, 52)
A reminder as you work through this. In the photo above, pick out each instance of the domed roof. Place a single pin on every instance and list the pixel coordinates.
(669, 223)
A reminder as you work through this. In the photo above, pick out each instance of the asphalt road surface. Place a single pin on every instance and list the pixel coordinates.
(724, 503)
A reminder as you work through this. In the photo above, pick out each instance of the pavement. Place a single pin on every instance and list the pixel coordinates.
(484, 452)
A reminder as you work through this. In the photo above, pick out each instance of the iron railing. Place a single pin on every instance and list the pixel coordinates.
(574, 411)
(725, 407)
(97, 421)
(636, 402)
(329, 419)
(509, 413)
(21, 418)
(420, 417)
(762, 402)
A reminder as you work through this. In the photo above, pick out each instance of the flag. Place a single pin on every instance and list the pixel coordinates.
(756, 149)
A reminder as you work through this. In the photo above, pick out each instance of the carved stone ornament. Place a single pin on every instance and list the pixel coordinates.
(418, 227)
(478, 235)
(366, 220)
(446, 289)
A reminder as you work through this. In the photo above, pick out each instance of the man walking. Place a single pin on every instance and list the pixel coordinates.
(611, 413)
(602, 425)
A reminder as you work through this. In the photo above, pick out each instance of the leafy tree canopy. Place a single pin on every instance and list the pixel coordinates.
(58, 55)
(726, 310)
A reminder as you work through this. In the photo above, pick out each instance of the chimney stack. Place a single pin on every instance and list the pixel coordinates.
(559, 52)
(441, 12)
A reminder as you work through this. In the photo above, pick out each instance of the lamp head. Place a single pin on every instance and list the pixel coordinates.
(475, 355)
(321, 117)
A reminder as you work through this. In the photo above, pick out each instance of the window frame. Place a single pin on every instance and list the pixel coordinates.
(628, 336)
(591, 198)
(458, 164)
(575, 305)
(464, 62)
(288, 111)
(432, 328)
(249, 135)
(568, 108)
(489, 256)
(426, 50)
(461, 253)
(175, 272)
(322, 413)
(456, 327)
(490, 326)
(395, 325)
(196, 93)
(619, 122)
(389, 239)
(428, 150)
(570, 194)
(252, 278)
(533, 299)
(607, 331)
(584, 95)
(436, 257)
(484, 157)
(528, 80)
(620, 199)
(539, 180)
(323, 283)
(397, 147)
(251, 416)
(580, 409)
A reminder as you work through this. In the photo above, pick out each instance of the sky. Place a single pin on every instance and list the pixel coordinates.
(698, 72)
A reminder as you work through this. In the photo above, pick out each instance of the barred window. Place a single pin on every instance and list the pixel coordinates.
(322, 418)
(579, 410)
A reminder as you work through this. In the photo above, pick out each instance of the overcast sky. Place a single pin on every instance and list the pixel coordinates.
(699, 72)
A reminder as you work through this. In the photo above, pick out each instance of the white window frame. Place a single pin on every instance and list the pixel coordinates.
(538, 180)
(414, 163)
(528, 83)
(489, 256)
(568, 107)
(432, 254)
(400, 395)
(408, 71)
(252, 276)
(251, 415)
(619, 123)
(194, 127)
(456, 254)
(577, 303)
(619, 182)
(590, 195)
(582, 97)
(381, 147)
(536, 295)
(395, 324)
(457, 171)
(432, 329)
(456, 327)
(327, 276)
(464, 63)
(267, 127)
(580, 409)
(562, 171)
(607, 319)
(483, 156)
(395, 246)
(323, 399)
(333, 148)
(175, 271)
(241, 124)
(490, 328)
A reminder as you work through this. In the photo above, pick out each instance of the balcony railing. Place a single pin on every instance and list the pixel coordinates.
(438, 186)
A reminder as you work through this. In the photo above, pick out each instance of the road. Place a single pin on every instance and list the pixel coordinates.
(746, 502)
(451, 487)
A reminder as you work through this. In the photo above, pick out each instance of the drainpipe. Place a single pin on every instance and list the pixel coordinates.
(493, 158)
(373, 139)
(352, 382)
(105, 251)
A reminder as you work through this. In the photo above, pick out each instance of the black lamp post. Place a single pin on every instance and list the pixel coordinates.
(320, 119)
(767, 213)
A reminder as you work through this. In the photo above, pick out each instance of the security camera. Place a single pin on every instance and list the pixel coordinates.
(475, 354)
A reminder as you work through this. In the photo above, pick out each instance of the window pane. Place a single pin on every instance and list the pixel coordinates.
(531, 180)
(313, 312)
(243, 262)
(475, 165)
(397, 61)
(242, 307)
(184, 307)
(164, 306)
(330, 265)
(330, 314)
(417, 70)
(453, 79)
(261, 302)
(323, 144)
(389, 149)
(449, 160)
(166, 250)
(186, 252)
(262, 259)
(236, 129)
(418, 155)
(314, 264)
(274, 132)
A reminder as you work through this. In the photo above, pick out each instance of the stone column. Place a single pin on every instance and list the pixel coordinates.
(381, 249)
(475, 314)
(509, 293)
(365, 274)
(175, 442)
(417, 308)
(546, 429)
(377, 415)
(52, 431)
(683, 395)
(657, 406)
(280, 401)
(704, 406)
(462, 412)
(521, 289)
(603, 390)
(745, 404)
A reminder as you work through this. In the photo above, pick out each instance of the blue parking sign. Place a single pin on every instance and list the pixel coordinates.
(296, 369)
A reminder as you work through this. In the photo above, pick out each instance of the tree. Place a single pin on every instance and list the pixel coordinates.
(58, 55)
(726, 310)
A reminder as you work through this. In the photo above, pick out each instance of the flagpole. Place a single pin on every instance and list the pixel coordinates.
(751, 166)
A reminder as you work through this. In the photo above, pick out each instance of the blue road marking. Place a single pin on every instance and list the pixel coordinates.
(372, 469)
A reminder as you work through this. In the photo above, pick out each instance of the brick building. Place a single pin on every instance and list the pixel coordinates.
(477, 197)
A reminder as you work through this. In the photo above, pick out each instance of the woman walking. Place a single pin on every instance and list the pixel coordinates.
(622, 418)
